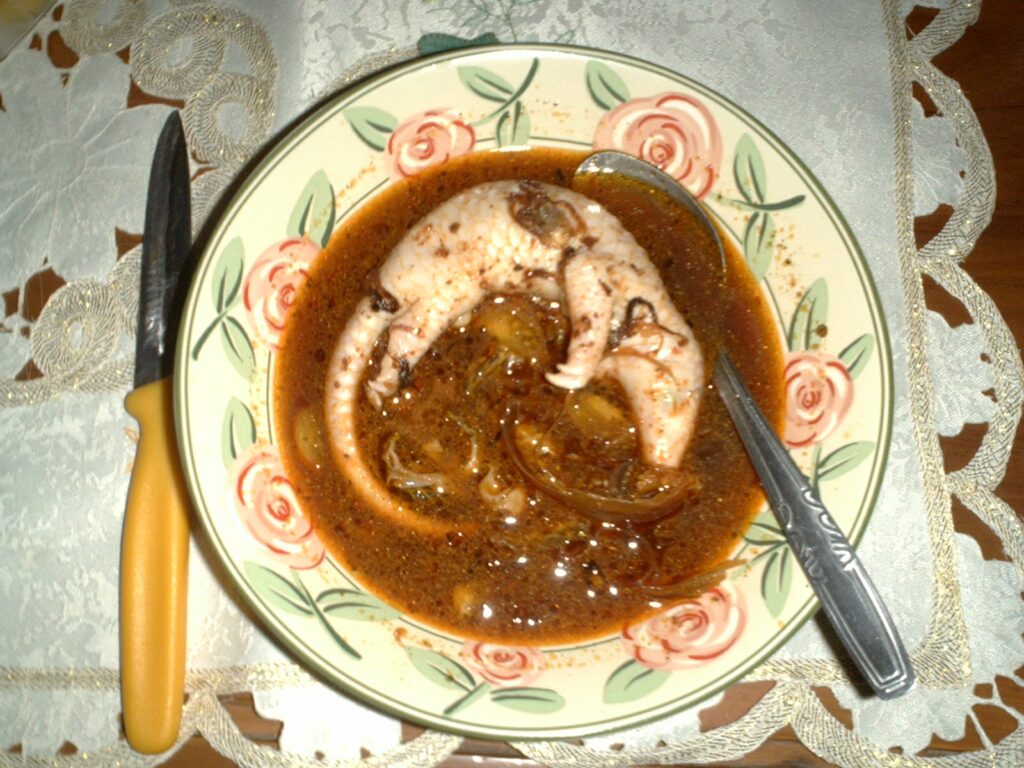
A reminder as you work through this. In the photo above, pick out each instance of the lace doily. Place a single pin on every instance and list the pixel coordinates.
(81, 102)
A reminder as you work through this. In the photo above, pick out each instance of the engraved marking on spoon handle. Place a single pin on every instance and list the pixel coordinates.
(835, 572)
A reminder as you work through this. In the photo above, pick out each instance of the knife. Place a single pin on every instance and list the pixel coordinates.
(154, 546)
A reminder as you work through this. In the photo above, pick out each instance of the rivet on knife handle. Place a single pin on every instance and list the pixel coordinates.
(154, 575)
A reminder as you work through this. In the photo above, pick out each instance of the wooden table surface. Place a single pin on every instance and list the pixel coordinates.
(988, 62)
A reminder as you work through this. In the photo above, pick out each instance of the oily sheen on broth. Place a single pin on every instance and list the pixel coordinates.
(521, 479)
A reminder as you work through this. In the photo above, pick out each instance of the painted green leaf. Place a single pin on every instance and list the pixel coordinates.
(227, 275)
(843, 460)
(857, 355)
(313, 214)
(748, 170)
(535, 700)
(205, 335)
(805, 330)
(238, 431)
(605, 87)
(354, 605)
(759, 243)
(468, 699)
(486, 84)
(513, 129)
(373, 126)
(632, 681)
(776, 581)
(439, 669)
(276, 589)
(237, 347)
(763, 535)
(435, 42)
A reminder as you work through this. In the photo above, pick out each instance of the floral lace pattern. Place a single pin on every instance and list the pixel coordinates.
(66, 359)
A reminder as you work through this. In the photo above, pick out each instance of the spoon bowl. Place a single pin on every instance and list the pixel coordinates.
(612, 163)
(836, 574)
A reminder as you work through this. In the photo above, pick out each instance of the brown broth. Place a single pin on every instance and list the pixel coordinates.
(545, 574)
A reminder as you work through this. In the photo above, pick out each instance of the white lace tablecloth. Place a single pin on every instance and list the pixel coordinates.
(81, 102)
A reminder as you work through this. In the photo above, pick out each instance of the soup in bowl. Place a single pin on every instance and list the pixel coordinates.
(492, 398)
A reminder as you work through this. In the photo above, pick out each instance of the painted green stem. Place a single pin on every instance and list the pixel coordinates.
(342, 643)
(767, 551)
(339, 570)
(206, 334)
(464, 701)
(511, 99)
(752, 206)
(213, 326)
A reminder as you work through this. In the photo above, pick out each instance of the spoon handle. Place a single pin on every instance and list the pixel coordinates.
(835, 572)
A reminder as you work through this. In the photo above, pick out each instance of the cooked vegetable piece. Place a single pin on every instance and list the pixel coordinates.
(309, 437)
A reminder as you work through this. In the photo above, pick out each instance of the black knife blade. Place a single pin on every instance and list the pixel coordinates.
(165, 248)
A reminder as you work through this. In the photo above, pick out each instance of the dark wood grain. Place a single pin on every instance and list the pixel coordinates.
(989, 64)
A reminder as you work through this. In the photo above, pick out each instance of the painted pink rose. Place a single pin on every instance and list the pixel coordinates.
(674, 132)
(272, 284)
(819, 393)
(502, 665)
(425, 140)
(267, 505)
(688, 634)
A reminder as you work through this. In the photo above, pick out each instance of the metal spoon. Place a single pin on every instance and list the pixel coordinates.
(835, 572)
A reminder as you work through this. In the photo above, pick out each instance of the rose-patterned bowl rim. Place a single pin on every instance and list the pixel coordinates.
(604, 88)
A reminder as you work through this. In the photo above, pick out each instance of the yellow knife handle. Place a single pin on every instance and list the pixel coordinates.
(154, 577)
